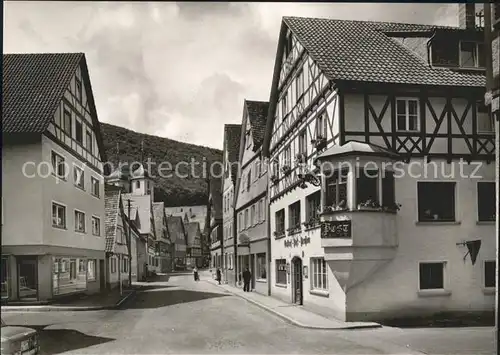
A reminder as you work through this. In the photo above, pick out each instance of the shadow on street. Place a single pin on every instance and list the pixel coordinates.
(157, 299)
(56, 341)
(154, 287)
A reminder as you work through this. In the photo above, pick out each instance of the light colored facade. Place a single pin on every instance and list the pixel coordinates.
(251, 202)
(189, 213)
(163, 242)
(231, 151)
(179, 239)
(216, 231)
(372, 249)
(53, 220)
(193, 247)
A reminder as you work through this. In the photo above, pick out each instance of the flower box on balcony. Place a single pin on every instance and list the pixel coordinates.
(295, 229)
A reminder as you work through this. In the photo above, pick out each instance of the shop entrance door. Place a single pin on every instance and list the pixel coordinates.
(27, 271)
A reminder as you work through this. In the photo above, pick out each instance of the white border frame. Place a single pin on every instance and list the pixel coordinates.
(457, 205)
(407, 119)
(52, 202)
(84, 221)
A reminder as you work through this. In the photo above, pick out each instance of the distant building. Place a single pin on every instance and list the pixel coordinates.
(179, 239)
(189, 213)
(193, 247)
(53, 238)
(215, 230)
(163, 242)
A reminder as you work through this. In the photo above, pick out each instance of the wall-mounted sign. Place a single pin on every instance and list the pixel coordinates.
(336, 229)
(305, 241)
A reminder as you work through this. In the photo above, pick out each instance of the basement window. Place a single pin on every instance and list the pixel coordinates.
(472, 55)
(436, 201)
(486, 201)
(431, 275)
(489, 274)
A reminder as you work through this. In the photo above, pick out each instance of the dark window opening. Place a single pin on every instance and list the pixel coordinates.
(486, 204)
(313, 205)
(445, 53)
(294, 215)
(367, 187)
(281, 271)
(280, 222)
(436, 201)
(89, 141)
(388, 193)
(79, 132)
(67, 122)
(431, 276)
(489, 274)
(336, 189)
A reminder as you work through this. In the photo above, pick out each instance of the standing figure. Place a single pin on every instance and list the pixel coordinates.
(247, 276)
(195, 272)
(219, 275)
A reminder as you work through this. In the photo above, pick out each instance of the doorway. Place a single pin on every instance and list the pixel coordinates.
(102, 274)
(297, 281)
(27, 271)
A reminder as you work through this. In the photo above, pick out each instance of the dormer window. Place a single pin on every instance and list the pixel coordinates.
(472, 55)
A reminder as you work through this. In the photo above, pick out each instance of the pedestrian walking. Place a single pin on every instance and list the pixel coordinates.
(195, 273)
(247, 276)
(219, 275)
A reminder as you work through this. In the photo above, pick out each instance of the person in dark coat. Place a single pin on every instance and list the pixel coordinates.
(219, 275)
(247, 276)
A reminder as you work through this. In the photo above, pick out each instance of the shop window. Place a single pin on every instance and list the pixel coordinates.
(261, 266)
(91, 270)
(436, 201)
(68, 275)
(281, 272)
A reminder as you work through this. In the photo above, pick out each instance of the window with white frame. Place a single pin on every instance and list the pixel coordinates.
(252, 215)
(257, 168)
(280, 222)
(113, 264)
(96, 226)
(336, 188)
(95, 186)
(436, 201)
(79, 221)
(280, 271)
(303, 143)
(247, 138)
(125, 264)
(313, 204)
(58, 165)
(91, 269)
(287, 155)
(119, 235)
(407, 117)
(431, 275)
(319, 274)
(299, 83)
(261, 267)
(58, 215)
(486, 204)
(490, 274)
(472, 54)
(320, 126)
(79, 177)
(294, 215)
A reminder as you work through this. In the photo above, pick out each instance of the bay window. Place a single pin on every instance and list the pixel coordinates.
(336, 189)
(261, 266)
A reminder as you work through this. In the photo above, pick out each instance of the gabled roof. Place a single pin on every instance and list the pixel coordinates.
(33, 87)
(232, 138)
(361, 51)
(141, 203)
(193, 233)
(257, 115)
(112, 214)
(176, 229)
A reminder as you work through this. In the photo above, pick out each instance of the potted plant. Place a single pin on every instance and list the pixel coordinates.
(369, 205)
(274, 179)
(300, 158)
(319, 143)
(286, 169)
(313, 221)
(392, 207)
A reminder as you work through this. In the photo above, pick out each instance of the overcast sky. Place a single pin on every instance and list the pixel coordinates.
(180, 70)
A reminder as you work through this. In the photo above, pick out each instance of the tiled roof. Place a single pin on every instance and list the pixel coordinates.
(193, 233)
(33, 86)
(257, 114)
(112, 214)
(176, 229)
(360, 51)
(141, 203)
(158, 214)
(232, 136)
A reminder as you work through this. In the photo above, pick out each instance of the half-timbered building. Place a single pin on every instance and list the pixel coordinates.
(251, 191)
(52, 177)
(381, 176)
(230, 156)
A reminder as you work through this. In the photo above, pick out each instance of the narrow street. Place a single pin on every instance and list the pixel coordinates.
(183, 316)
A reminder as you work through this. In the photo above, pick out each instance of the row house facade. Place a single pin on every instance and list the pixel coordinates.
(179, 240)
(215, 230)
(230, 154)
(53, 240)
(251, 198)
(163, 249)
(189, 214)
(381, 174)
(193, 245)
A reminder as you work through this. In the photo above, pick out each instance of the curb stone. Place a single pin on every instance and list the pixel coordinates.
(293, 321)
(14, 309)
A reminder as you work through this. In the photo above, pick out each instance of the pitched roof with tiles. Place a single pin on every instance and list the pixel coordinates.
(257, 115)
(176, 229)
(112, 214)
(193, 233)
(141, 203)
(361, 51)
(232, 138)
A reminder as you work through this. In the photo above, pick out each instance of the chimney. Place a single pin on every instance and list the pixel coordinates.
(467, 15)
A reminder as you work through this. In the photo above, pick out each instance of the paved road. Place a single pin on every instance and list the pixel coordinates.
(186, 317)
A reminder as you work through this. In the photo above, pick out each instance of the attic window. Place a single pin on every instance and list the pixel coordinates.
(445, 53)
(78, 90)
(472, 55)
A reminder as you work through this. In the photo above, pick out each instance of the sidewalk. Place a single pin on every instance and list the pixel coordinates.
(296, 315)
(106, 300)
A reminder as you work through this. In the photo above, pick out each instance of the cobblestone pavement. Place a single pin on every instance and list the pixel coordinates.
(186, 317)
